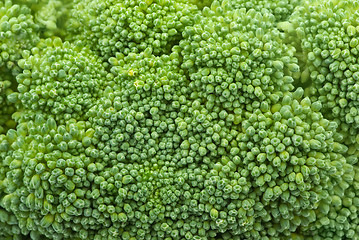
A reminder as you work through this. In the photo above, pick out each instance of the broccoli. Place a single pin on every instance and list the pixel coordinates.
(129, 26)
(174, 119)
(326, 34)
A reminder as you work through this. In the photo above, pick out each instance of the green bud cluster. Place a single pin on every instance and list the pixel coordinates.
(130, 26)
(7, 106)
(49, 15)
(18, 32)
(281, 9)
(235, 57)
(60, 79)
(327, 34)
(9, 228)
(174, 119)
(276, 171)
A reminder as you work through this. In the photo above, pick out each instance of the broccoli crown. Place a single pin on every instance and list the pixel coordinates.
(7, 108)
(281, 9)
(236, 57)
(18, 32)
(327, 34)
(173, 119)
(130, 26)
(60, 79)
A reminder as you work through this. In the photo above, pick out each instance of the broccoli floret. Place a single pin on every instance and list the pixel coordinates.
(60, 79)
(49, 15)
(9, 228)
(17, 30)
(7, 108)
(9, 225)
(326, 34)
(130, 26)
(281, 9)
(174, 119)
(236, 57)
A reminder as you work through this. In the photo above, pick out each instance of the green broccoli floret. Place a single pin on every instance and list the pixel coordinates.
(130, 26)
(49, 15)
(236, 57)
(174, 119)
(281, 9)
(7, 108)
(17, 30)
(61, 79)
(326, 34)
(9, 228)
(274, 170)
(200, 3)
(18, 33)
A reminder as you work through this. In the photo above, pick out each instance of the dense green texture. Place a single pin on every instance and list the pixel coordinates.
(174, 119)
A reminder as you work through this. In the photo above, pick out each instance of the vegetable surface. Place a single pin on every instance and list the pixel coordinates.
(174, 119)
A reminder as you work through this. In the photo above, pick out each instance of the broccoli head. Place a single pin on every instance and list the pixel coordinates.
(173, 119)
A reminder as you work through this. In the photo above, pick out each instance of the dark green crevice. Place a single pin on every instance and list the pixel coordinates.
(8, 86)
